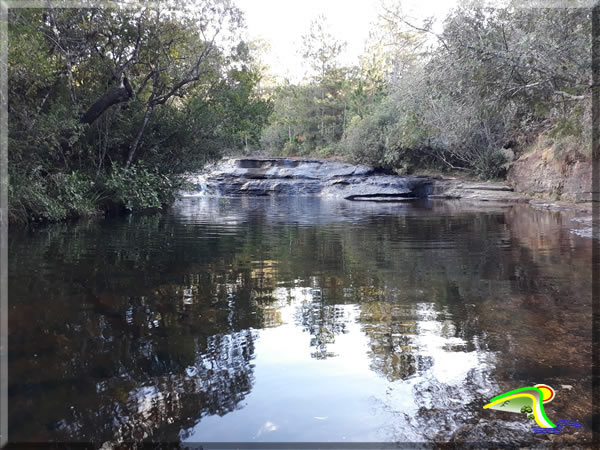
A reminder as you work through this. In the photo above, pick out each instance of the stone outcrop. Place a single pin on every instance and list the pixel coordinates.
(336, 180)
(449, 188)
(286, 176)
(283, 176)
(539, 173)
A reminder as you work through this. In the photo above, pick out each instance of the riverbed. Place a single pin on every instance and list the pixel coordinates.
(299, 319)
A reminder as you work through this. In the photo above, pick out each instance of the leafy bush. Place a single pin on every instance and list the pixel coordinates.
(366, 141)
(77, 191)
(39, 196)
(52, 197)
(138, 188)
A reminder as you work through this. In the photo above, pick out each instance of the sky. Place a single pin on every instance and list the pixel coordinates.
(282, 23)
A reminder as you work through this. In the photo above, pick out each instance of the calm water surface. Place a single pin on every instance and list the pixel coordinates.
(299, 319)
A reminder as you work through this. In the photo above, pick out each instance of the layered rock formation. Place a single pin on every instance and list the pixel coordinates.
(285, 176)
(306, 177)
(310, 177)
(540, 173)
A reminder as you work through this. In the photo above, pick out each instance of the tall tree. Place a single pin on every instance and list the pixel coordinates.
(322, 50)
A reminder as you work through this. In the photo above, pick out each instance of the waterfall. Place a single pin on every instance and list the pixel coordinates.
(199, 186)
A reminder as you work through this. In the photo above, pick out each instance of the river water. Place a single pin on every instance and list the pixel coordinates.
(299, 319)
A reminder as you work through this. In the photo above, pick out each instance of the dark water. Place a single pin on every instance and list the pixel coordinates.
(261, 319)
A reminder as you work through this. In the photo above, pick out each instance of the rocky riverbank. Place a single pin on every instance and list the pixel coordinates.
(332, 179)
(285, 176)
(540, 172)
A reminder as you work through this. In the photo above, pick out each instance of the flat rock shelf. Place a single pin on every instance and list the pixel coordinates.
(286, 176)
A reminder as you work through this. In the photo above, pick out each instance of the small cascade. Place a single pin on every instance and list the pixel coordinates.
(202, 188)
(199, 186)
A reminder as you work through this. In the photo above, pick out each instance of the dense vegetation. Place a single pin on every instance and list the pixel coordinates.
(107, 106)
(466, 98)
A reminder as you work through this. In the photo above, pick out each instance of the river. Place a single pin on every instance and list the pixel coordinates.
(250, 319)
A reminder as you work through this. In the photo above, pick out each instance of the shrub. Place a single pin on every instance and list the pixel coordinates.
(365, 141)
(51, 197)
(139, 188)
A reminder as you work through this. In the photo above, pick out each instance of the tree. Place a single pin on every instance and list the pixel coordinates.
(162, 86)
(495, 78)
(183, 51)
(396, 45)
(321, 51)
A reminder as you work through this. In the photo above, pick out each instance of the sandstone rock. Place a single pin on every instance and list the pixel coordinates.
(538, 173)
(282, 176)
(488, 191)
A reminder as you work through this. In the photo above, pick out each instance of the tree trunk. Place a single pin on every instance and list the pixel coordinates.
(70, 76)
(113, 96)
(138, 137)
(322, 124)
(43, 102)
(322, 108)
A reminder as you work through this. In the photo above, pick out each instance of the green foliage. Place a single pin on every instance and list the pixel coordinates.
(77, 191)
(310, 118)
(235, 113)
(496, 76)
(91, 90)
(139, 188)
(527, 410)
(53, 197)
(366, 139)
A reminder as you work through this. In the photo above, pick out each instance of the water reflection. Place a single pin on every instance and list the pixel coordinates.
(297, 320)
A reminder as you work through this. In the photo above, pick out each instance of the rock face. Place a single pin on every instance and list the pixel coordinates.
(284, 176)
(539, 173)
(256, 176)
(297, 177)
(479, 191)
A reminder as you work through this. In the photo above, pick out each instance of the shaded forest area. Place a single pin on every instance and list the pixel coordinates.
(108, 106)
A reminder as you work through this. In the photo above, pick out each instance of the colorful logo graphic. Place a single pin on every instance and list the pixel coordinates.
(530, 401)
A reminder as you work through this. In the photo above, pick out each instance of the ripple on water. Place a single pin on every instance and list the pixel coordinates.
(298, 319)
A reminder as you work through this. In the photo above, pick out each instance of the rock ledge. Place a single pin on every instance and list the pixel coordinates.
(285, 176)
